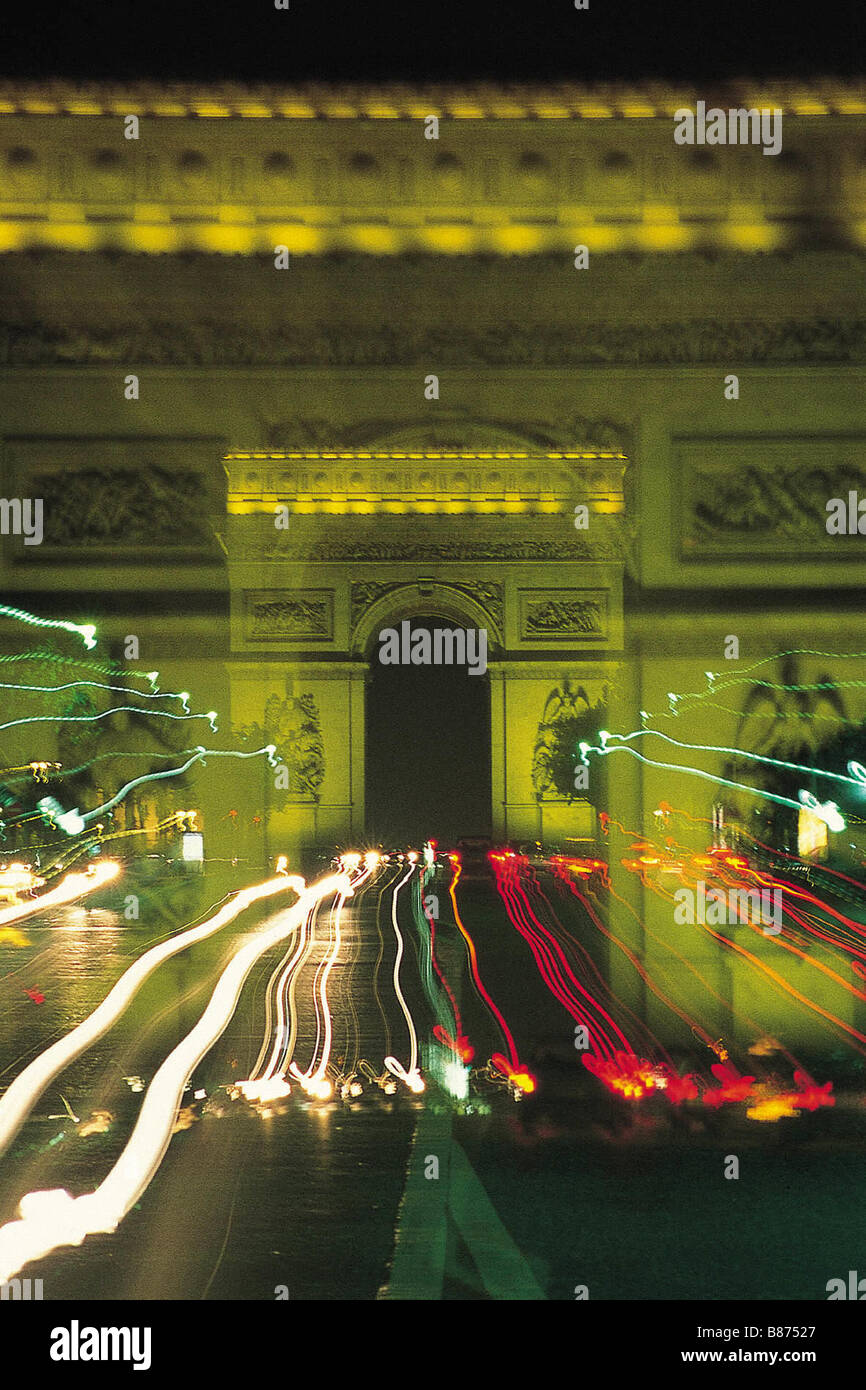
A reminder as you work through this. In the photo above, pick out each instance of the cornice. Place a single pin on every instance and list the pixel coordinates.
(392, 101)
(30, 341)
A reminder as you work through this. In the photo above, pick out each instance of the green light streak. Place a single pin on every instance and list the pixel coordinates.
(86, 631)
(854, 781)
(830, 808)
(106, 714)
(40, 654)
(718, 681)
(182, 695)
(198, 756)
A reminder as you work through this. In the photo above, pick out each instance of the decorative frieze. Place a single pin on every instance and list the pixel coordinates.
(737, 498)
(563, 615)
(429, 550)
(288, 615)
(216, 341)
(486, 593)
(128, 498)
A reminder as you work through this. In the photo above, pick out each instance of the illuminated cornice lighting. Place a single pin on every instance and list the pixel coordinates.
(344, 455)
(247, 215)
(536, 483)
(558, 101)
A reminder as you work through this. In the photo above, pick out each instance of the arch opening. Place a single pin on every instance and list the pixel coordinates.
(428, 755)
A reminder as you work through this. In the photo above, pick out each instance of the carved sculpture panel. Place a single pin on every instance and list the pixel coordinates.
(486, 593)
(212, 341)
(128, 498)
(289, 615)
(563, 615)
(744, 493)
(571, 714)
(293, 725)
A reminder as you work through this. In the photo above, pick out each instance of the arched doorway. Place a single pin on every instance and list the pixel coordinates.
(383, 535)
(428, 759)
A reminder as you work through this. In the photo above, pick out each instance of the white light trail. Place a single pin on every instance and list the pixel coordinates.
(49, 1220)
(315, 1082)
(412, 1076)
(26, 1089)
(286, 1022)
(71, 886)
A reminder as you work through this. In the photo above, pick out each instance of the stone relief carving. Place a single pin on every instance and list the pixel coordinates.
(147, 507)
(487, 594)
(208, 342)
(570, 716)
(772, 503)
(365, 592)
(284, 614)
(778, 501)
(442, 551)
(455, 433)
(293, 725)
(554, 614)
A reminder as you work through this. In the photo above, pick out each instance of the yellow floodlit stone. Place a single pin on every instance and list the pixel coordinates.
(297, 110)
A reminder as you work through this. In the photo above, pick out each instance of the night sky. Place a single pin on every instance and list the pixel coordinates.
(319, 40)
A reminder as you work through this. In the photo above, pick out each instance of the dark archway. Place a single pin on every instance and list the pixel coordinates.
(428, 766)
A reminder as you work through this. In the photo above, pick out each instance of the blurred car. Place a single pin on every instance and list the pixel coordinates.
(527, 849)
(473, 851)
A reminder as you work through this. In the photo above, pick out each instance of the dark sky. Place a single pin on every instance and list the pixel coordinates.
(323, 40)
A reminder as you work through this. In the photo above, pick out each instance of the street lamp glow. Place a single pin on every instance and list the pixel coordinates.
(826, 811)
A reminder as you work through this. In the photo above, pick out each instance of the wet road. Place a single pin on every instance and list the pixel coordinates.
(395, 1195)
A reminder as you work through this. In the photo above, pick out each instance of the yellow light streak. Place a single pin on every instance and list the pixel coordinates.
(315, 1081)
(26, 1089)
(74, 885)
(411, 1075)
(283, 1046)
(48, 1220)
(16, 879)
